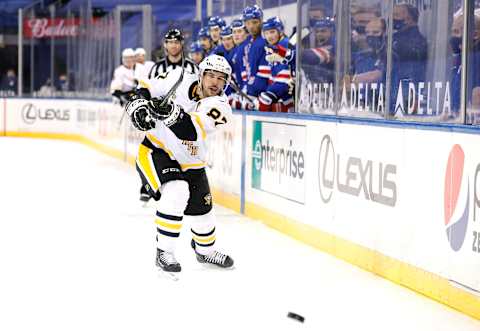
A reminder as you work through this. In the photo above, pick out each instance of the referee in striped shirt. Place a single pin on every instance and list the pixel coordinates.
(173, 45)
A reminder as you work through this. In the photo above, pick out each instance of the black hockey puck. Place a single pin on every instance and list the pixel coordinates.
(297, 317)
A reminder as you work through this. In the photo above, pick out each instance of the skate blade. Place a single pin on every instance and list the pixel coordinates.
(170, 275)
(210, 266)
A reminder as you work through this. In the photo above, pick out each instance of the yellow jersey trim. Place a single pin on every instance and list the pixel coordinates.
(155, 141)
(200, 124)
(143, 84)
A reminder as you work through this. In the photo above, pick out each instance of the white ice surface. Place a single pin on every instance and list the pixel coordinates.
(77, 252)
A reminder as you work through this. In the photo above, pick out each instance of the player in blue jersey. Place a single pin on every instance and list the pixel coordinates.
(196, 52)
(240, 35)
(239, 76)
(256, 67)
(226, 49)
(279, 72)
(205, 41)
(215, 26)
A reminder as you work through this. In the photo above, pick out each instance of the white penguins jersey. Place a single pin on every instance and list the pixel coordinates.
(142, 70)
(123, 79)
(209, 115)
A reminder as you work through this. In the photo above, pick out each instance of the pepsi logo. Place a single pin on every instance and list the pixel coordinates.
(456, 198)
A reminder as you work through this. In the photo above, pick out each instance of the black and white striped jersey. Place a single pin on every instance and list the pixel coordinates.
(164, 65)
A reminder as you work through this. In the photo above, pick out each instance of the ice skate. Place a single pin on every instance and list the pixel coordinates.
(167, 262)
(215, 258)
(144, 196)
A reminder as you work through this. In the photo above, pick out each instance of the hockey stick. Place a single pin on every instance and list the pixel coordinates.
(169, 93)
(174, 87)
(293, 38)
(121, 120)
(123, 115)
(239, 91)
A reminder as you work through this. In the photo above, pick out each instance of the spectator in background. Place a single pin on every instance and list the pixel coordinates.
(319, 61)
(256, 67)
(215, 26)
(280, 73)
(123, 81)
(196, 52)
(369, 65)
(316, 12)
(409, 49)
(205, 41)
(9, 82)
(360, 19)
(62, 83)
(142, 67)
(473, 75)
(47, 89)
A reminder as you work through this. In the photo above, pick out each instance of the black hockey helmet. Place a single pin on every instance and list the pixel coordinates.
(174, 34)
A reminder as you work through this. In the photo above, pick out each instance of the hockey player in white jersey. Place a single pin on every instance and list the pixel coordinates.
(142, 67)
(172, 158)
(123, 77)
(186, 96)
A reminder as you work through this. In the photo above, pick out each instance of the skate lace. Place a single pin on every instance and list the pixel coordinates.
(168, 258)
(216, 257)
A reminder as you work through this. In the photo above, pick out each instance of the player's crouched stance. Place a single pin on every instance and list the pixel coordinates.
(171, 159)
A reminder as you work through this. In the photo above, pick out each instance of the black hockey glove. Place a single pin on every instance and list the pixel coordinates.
(167, 113)
(121, 96)
(158, 111)
(139, 113)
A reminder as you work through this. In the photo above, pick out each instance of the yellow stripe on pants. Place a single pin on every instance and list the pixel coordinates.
(145, 163)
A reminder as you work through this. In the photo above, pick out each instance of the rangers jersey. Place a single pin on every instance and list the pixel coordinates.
(255, 66)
